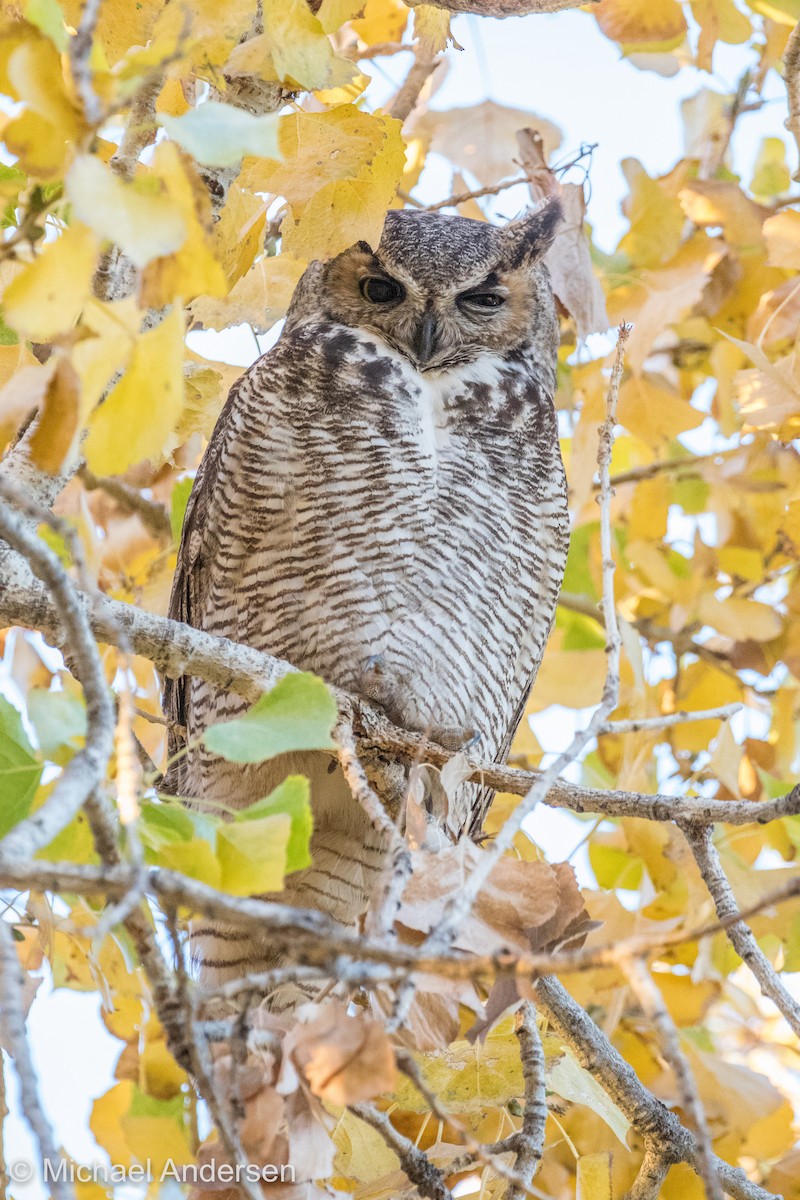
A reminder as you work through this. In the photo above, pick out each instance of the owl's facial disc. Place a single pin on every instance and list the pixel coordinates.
(444, 291)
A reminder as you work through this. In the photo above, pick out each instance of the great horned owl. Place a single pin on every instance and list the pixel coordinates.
(383, 502)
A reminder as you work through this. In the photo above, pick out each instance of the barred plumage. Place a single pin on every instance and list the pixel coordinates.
(383, 502)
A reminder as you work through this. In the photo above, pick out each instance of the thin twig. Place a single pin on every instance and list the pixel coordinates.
(80, 49)
(87, 769)
(12, 1017)
(419, 1169)
(153, 515)
(740, 935)
(646, 991)
(651, 1175)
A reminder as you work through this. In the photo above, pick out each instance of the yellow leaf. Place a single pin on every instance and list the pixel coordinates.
(260, 298)
(160, 1074)
(143, 409)
(119, 26)
(48, 295)
(655, 216)
(383, 21)
(137, 216)
(156, 1140)
(719, 20)
(193, 270)
(297, 47)
(654, 413)
(633, 21)
(594, 1175)
(239, 232)
(701, 687)
(782, 234)
(338, 215)
(431, 29)
(43, 134)
(105, 1122)
(58, 418)
(739, 618)
(720, 202)
(332, 14)
(214, 29)
(97, 358)
(195, 858)
(664, 295)
(253, 854)
(726, 759)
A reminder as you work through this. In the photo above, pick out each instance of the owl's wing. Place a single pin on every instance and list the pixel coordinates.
(485, 795)
(192, 574)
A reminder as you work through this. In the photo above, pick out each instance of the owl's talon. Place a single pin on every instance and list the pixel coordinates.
(456, 737)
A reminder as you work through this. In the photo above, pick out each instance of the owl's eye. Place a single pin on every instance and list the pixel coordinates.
(379, 290)
(483, 299)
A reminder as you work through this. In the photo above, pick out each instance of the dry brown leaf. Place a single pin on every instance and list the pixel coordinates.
(481, 138)
(345, 1059)
(568, 260)
(522, 906)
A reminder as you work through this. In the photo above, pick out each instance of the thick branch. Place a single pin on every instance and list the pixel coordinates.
(648, 1116)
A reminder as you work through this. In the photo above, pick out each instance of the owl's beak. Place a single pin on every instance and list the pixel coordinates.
(425, 338)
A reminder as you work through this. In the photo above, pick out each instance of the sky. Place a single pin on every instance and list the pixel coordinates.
(559, 67)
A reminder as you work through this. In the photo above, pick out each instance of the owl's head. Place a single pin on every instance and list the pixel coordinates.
(441, 290)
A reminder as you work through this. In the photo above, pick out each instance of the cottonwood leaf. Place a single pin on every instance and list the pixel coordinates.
(292, 798)
(572, 1082)
(640, 21)
(138, 216)
(593, 1180)
(192, 270)
(346, 1059)
(219, 134)
(19, 770)
(297, 714)
(48, 294)
(253, 854)
(137, 417)
(59, 720)
(482, 138)
(59, 419)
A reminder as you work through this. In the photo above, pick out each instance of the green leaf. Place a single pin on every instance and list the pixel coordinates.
(47, 16)
(195, 859)
(178, 502)
(292, 797)
(219, 135)
(253, 855)
(59, 720)
(297, 714)
(7, 336)
(19, 770)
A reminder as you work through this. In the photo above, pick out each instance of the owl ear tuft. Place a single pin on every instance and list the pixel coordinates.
(531, 235)
(364, 247)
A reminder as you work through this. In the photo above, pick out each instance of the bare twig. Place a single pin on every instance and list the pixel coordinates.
(80, 50)
(86, 771)
(12, 1018)
(427, 1178)
(701, 841)
(646, 991)
(463, 197)
(791, 75)
(153, 515)
(404, 103)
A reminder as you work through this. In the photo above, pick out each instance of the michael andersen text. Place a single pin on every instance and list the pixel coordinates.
(219, 1173)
